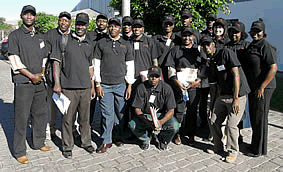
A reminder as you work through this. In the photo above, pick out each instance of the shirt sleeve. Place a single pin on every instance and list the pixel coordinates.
(56, 53)
(139, 98)
(231, 59)
(269, 54)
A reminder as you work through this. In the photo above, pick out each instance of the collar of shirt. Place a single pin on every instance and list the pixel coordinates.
(26, 31)
(80, 39)
(257, 43)
(102, 32)
(164, 38)
(67, 32)
(140, 40)
(111, 38)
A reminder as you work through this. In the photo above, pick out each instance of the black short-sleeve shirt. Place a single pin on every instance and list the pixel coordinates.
(164, 97)
(30, 49)
(113, 56)
(75, 64)
(163, 46)
(145, 54)
(221, 72)
(260, 56)
(182, 57)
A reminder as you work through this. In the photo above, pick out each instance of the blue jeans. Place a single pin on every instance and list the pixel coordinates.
(112, 110)
(142, 130)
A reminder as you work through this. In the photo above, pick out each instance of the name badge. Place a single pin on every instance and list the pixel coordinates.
(199, 59)
(42, 45)
(168, 42)
(136, 46)
(152, 98)
(221, 68)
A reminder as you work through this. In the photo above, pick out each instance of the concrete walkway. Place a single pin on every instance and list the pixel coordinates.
(130, 157)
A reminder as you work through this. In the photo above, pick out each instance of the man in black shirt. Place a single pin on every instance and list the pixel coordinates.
(227, 74)
(101, 30)
(150, 95)
(53, 35)
(165, 41)
(145, 51)
(114, 76)
(27, 52)
(127, 32)
(73, 78)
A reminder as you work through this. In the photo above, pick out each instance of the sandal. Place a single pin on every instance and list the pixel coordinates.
(23, 159)
(45, 148)
(231, 159)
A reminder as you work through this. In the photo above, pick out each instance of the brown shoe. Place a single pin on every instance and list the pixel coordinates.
(103, 148)
(119, 143)
(46, 148)
(23, 159)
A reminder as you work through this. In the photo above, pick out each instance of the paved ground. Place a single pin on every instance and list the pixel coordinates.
(130, 157)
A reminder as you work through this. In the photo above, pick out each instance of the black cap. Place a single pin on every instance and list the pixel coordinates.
(186, 13)
(205, 39)
(127, 19)
(188, 30)
(138, 22)
(114, 21)
(169, 18)
(258, 25)
(154, 70)
(220, 21)
(82, 17)
(211, 16)
(101, 16)
(65, 14)
(239, 27)
(27, 8)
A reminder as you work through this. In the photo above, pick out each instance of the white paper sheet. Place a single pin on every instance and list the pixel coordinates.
(187, 76)
(62, 102)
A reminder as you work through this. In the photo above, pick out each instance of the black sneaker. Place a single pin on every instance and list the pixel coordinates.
(144, 146)
(163, 146)
(89, 149)
(67, 154)
(191, 141)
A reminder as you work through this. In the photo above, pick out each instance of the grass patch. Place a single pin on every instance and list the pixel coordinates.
(277, 97)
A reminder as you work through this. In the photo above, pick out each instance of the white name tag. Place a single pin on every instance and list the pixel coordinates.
(221, 68)
(136, 45)
(168, 42)
(42, 45)
(152, 98)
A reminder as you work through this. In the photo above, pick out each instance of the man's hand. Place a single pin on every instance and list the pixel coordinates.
(57, 89)
(260, 93)
(36, 78)
(99, 91)
(235, 106)
(194, 84)
(128, 92)
(92, 90)
(180, 85)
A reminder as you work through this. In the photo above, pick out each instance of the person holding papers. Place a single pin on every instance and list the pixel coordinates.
(154, 106)
(73, 72)
(183, 62)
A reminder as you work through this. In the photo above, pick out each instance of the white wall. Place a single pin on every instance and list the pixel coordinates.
(270, 11)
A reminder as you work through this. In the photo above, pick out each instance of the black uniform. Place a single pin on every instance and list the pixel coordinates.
(182, 57)
(144, 54)
(257, 63)
(76, 85)
(29, 98)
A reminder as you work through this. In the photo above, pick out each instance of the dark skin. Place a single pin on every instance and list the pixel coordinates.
(210, 50)
(81, 30)
(256, 36)
(153, 81)
(114, 31)
(28, 21)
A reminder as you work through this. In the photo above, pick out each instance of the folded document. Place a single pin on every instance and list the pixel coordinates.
(62, 102)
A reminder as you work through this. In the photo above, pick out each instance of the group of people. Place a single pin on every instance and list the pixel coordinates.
(148, 87)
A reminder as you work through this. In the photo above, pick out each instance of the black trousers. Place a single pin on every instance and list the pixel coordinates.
(203, 105)
(258, 109)
(190, 120)
(30, 100)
